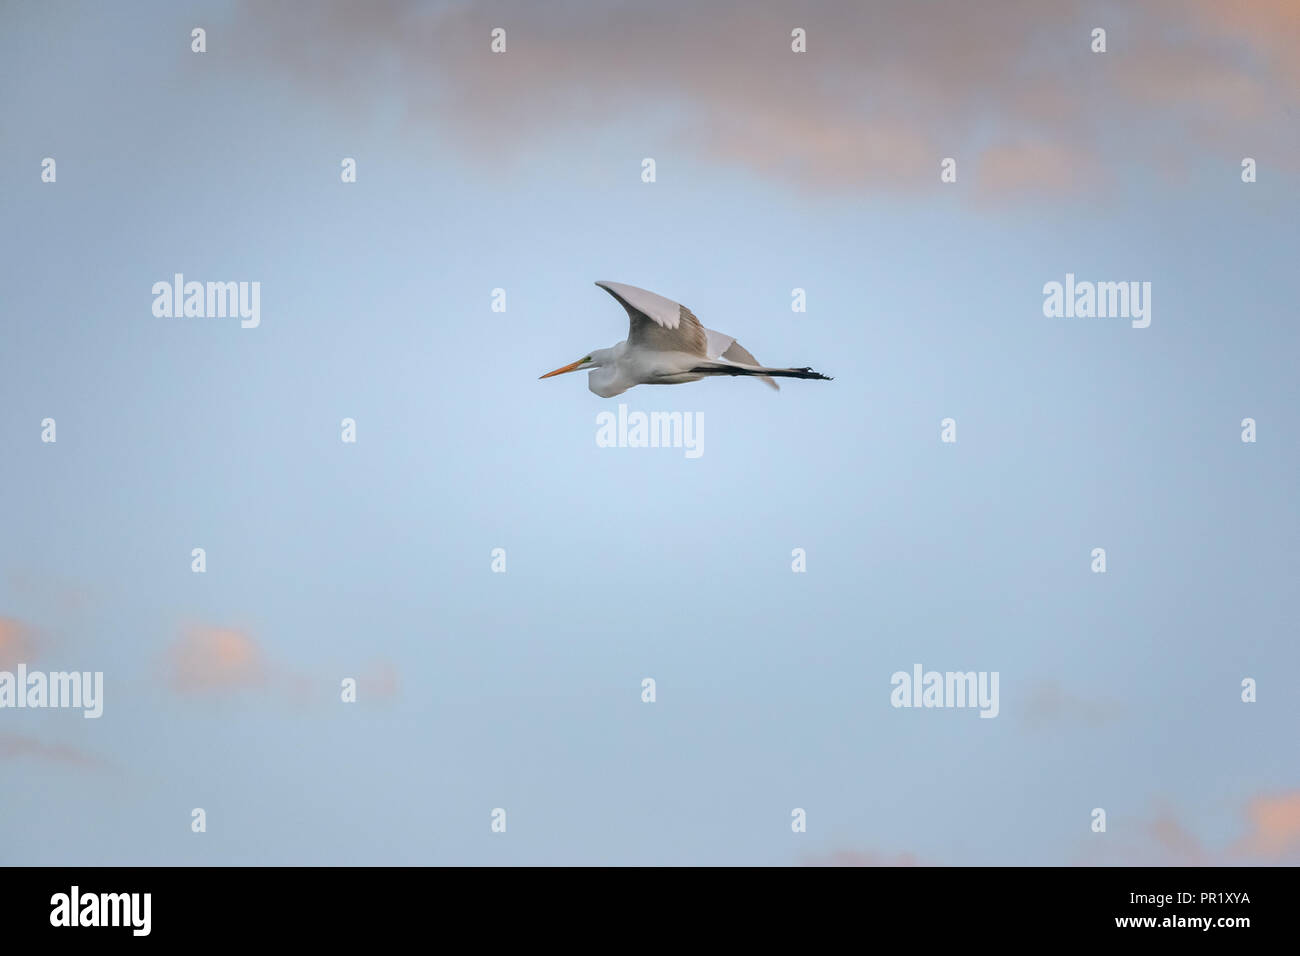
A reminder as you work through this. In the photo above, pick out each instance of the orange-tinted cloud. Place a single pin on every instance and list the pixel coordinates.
(1033, 165)
(1275, 825)
(215, 659)
(1161, 840)
(1010, 88)
(211, 661)
(16, 643)
(1273, 835)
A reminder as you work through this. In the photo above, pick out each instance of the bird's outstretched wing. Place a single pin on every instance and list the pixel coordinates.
(657, 323)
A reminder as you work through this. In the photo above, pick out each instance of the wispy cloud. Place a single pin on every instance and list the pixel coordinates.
(210, 659)
(1010, 88)
(1274, 826)
(51, 593)
(1176, 845)
(1048, 703)
(17, 644)
(14, 746)
(1272, 835)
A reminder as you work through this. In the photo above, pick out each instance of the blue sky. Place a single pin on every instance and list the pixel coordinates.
(522, 690)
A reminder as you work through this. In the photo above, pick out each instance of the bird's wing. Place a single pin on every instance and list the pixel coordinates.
(727, 349)
(718, 343)
(658, 324)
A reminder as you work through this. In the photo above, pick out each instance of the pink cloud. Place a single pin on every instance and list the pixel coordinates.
(215, 659)
(885, 91)
(1031, 165)
(210, 661)
(1273, 835)
(1274, 825)
(16, 643)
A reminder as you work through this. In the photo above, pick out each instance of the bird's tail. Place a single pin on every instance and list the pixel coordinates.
(727, 368)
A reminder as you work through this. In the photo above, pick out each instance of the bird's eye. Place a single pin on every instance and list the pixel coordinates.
(587, 359)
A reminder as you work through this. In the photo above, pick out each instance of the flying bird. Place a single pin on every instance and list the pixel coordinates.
(666, 345)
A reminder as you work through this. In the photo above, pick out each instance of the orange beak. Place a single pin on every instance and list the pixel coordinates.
(567, 368)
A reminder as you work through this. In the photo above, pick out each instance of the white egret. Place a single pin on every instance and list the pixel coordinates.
(666, 345)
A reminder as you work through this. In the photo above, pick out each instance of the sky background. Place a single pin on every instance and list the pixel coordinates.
(522, 690)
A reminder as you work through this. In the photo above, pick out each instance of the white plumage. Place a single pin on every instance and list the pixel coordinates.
(667, 345)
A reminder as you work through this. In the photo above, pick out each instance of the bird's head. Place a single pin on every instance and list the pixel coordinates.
(593, 360)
